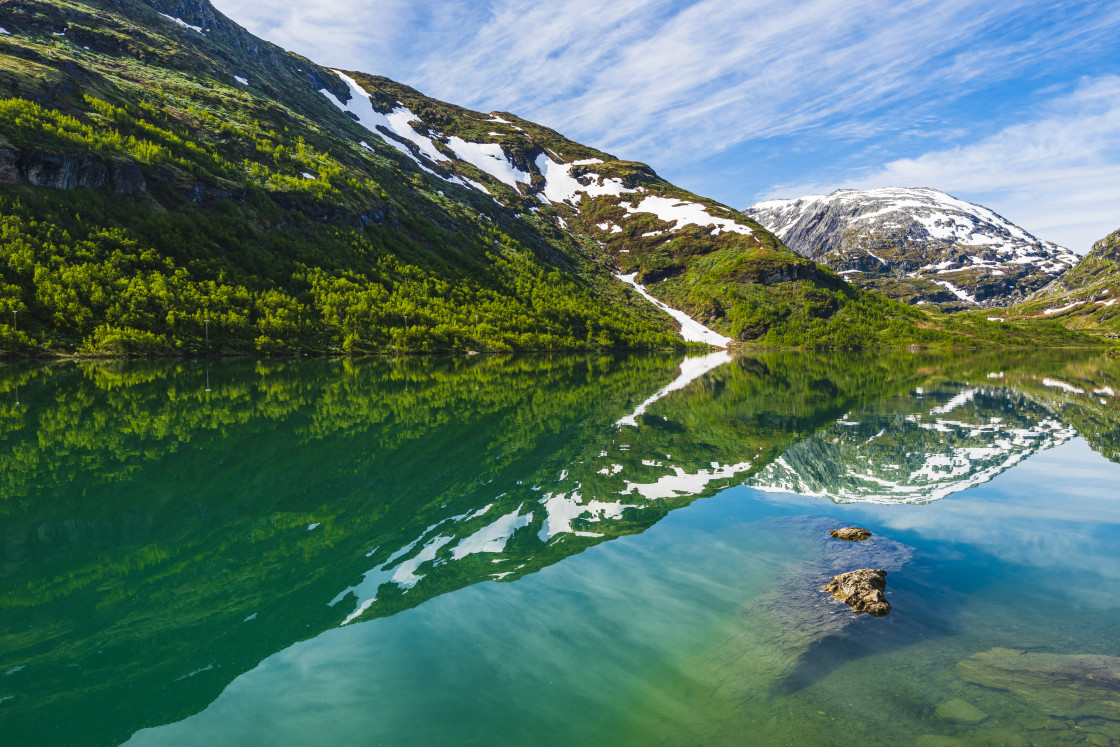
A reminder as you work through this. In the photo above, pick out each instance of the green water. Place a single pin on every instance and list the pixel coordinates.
(554, 550)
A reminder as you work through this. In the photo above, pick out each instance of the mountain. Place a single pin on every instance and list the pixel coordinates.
(1086, 296)
(171, 184)
(917, 245)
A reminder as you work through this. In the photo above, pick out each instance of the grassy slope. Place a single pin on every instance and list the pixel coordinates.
(1088, 290)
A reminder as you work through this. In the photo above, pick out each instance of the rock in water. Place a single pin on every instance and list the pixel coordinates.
(862, 590)
(851, 534)
(960, 712)
(1071, 686)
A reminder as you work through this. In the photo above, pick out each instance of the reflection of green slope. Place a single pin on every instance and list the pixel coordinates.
(194, 513)
(155, 538)
(1083, 393)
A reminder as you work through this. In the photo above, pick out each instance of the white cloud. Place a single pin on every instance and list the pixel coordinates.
(1058, 174)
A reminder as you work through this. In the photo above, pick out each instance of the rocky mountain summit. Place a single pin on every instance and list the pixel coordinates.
(917, 245)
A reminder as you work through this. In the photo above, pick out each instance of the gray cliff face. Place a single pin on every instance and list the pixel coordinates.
(917, 245)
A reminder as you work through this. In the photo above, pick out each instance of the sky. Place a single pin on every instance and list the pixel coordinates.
(1014, 105)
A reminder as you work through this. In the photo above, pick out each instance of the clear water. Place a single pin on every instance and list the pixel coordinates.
(476, 552)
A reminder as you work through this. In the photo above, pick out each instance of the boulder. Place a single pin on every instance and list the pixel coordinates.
(862, 590)
(1067, 686)
(851, 534)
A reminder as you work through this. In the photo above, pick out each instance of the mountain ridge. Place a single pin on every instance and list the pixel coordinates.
(919, 245)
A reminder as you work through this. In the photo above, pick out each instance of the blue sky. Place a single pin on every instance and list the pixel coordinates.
(1015, 105)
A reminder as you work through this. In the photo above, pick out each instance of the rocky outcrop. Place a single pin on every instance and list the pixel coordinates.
(851, 534)
(54, 170)
(793, 618)
(862, 590)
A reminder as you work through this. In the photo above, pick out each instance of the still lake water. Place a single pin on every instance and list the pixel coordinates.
(559, 550)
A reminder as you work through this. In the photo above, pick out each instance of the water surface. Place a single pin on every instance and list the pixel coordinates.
(552, 550)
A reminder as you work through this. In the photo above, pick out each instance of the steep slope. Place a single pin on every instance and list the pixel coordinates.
(1086, 297)
(170, 184)
(917, 245)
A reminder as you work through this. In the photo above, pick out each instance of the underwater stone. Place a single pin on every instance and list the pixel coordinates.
(960, 712)
(862, 590)
(1070, 686)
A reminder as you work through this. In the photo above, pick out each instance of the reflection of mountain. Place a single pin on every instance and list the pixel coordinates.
(162, 532)
(917, 448)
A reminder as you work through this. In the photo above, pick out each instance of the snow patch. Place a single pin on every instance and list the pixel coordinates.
(681, 214)
(1059, 310)
(691, 330)
(561, 186)
(182, 23)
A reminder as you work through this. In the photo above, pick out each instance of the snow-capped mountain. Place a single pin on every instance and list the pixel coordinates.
(918, 245)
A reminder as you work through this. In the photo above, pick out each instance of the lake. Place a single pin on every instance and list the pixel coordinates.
(559, 550)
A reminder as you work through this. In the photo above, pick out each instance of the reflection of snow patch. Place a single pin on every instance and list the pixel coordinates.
(691, 370)
(683, 483)
(561, 510)
(958, 401)
(1055, 384)
(493, 537)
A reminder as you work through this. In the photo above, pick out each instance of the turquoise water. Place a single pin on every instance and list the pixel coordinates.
(477, 552)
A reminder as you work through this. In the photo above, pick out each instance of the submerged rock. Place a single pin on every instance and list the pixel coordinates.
(960, 712)
(1070, 686)
(862, 590)
(851, 534)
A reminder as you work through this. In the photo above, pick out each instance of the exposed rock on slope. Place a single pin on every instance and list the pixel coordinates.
(917, 245)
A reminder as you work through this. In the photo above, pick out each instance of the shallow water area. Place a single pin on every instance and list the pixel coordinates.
(560, 550)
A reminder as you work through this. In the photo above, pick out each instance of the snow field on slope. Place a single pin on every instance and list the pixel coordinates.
(691, 330)
(680, 214)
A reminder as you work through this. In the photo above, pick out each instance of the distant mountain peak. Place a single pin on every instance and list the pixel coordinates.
(917, 244)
